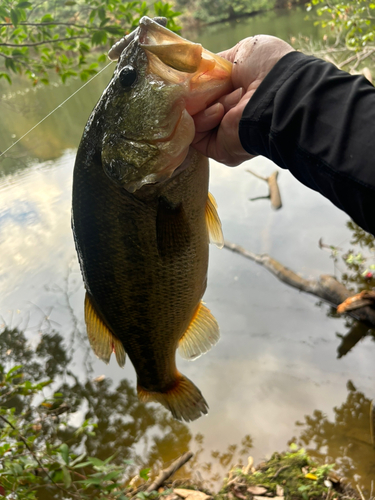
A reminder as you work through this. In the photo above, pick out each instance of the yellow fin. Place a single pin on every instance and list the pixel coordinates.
(202, 334)
(102, 340)
(184, 400)
(213, 222)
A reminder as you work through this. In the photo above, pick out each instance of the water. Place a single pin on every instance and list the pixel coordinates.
(286, 368)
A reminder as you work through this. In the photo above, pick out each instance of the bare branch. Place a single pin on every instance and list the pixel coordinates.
(167, 473)
(44, 42)
(51, 23)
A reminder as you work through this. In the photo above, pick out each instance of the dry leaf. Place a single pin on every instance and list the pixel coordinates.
(191, 494)
(257, 490)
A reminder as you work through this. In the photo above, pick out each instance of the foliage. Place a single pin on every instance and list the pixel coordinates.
(34, 457)
(349, 429)
(61, 37)
(294, 472)
(47, 453)
(359, 261)
(353, 21)
(350, 31)
(208, 11)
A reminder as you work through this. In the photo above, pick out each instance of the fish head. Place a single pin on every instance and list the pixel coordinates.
(160, 82)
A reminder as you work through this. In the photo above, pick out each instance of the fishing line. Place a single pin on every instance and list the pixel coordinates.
(59, 106)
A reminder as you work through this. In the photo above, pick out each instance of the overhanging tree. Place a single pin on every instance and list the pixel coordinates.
(62, 37)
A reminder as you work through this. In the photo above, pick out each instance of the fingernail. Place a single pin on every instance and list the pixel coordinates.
(212, 110)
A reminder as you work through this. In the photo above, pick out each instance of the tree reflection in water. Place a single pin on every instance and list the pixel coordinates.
(356, 270)
(345, 441)
(151, 437)
(126, 427)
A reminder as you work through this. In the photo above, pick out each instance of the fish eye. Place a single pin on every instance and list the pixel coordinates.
(127, 76)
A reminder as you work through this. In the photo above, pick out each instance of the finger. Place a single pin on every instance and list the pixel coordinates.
(202, 141)
(209, 118)
(232, 99)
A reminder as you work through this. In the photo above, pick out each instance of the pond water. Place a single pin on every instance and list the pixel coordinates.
(287, 369)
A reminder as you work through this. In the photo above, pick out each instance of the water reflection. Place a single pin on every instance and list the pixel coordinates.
(356, 270)
(151, 437)
(125, 426)
(346, 439)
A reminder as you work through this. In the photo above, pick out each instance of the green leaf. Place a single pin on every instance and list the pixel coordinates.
(66, 477)
(142, 495)
(24, 5)
(83, 464)
(3, 12)
(11, 371)
(99, 37)
(77, 459)
(144, 473)
(47, 19)
(70, 2)
(112, 475)
(92, 480)
(101, 13)
(14, 17)
(64, 452)
(96, 462)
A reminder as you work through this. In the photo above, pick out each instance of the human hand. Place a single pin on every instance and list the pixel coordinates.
(216, 128)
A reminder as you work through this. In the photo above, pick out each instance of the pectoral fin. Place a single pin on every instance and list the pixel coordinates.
(213, 222)
(102, 340)
(202, 334)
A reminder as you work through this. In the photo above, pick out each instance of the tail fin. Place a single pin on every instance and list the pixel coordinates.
(184, 400)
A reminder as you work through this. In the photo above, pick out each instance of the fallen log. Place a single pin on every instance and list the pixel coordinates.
(326, 287)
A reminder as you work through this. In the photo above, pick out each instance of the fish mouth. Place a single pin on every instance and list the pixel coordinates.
(174, 51)
(204, 75)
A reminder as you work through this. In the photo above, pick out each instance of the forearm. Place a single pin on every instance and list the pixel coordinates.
(318, 122)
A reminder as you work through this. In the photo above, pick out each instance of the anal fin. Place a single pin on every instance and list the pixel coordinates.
(102, 340)
(213, 222)
(202, 334)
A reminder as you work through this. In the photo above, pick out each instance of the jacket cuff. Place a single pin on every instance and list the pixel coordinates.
(255, 123)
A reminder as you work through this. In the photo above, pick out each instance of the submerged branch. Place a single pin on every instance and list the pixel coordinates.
(325, 287)
(167, 473)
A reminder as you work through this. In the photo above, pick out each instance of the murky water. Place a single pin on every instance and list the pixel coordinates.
(286, 368)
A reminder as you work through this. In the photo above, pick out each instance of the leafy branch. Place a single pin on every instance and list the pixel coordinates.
(350, 29)
(71, 40)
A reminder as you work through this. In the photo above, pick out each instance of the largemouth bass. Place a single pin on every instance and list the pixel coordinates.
(142, 216)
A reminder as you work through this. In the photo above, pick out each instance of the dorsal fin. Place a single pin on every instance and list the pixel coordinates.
(213, 222)
(102, 340)
(201, 335)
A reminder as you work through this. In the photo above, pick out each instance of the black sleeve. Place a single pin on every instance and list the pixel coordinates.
(318, 122)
